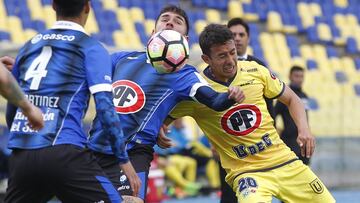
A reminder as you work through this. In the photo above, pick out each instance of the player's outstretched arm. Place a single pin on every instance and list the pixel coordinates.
(132, 176)
(13, 93)
(296, 108)
(111, 124)
(219, 101)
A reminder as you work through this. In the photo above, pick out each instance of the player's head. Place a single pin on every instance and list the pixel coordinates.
(70, 9)
(241, 33)
(172, 18)
(296, 76)
(218, 47)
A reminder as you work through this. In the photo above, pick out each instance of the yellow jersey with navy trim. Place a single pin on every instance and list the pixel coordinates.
(244, 135)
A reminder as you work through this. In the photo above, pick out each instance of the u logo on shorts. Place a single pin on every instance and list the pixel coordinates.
(316, 186)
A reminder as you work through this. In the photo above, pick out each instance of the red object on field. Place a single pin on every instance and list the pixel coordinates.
(156, 185)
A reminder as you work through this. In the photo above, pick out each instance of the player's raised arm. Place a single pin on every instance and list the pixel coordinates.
(12, 92)
(305, 139)
(219, 101)
(105, 111)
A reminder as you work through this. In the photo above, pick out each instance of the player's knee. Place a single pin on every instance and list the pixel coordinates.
(131, 199)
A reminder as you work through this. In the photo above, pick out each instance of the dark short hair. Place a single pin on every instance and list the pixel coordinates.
(69, 8)
(239, 21)
(214, 34)
(296, 68)
(177, 10)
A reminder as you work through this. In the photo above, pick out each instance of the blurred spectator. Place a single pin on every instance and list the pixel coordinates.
(290, 133)
(185, 158)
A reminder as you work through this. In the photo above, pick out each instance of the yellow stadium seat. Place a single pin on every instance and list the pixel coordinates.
(306, 15)
(2, 8)
(137, 14)
(320, 53)
(335, 64)
(200, 25)
(3, 24)
(50, 16)
(15, 30)
(249, 50)
(341, 3)
(251, 17)
(110, 4)
(91, 24)
(348, 65)
(123, 14)
(339, 19)
(315, 9)
(121, 40)
(235, 9)
(274, 23)
(299, 62)
(339, 41)
(29, 33)
(128, 26)
(134, 41)
(212, 16)
(149, 26)
(324, 32)
(352, 20)
(306, 51)
(36, 10)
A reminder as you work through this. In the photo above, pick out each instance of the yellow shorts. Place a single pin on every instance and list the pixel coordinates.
(293, 182)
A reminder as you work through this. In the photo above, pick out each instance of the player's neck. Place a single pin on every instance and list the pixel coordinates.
(77, 20)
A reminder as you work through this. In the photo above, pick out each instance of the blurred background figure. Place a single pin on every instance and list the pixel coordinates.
(290, 132)
(188, 160)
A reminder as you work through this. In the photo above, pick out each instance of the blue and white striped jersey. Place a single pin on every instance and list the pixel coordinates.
(58, 70)
(143, 98)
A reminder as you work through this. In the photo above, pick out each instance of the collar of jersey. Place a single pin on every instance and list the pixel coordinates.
(243, 57)
(63, 24)
(207, 73)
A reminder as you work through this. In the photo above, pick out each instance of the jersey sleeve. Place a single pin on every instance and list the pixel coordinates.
(273, 86)
(98, 69)
(184, 108)
(115, 57)
(189, 83)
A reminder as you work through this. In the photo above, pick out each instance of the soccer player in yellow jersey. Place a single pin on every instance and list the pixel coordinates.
(258, 163)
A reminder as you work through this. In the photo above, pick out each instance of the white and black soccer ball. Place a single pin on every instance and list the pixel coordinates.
(167, 51)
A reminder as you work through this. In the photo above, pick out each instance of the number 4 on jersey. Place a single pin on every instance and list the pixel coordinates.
(37, 69)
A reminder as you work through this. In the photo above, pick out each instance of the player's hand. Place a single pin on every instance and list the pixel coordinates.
(164, 141)
(306, 142)
(134, 180)
(8, 62)
(236, 94)
(34, 115)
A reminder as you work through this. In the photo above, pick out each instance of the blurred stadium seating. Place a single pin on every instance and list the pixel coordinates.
(321, 35)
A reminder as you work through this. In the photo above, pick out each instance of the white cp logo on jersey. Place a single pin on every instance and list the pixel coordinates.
(241, 120)
(128, 97)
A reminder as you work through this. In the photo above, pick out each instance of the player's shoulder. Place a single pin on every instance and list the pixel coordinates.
(128, 55)
(188, 69)
(250, 66)
(257, 60)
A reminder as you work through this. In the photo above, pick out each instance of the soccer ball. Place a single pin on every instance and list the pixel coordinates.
(167, 51)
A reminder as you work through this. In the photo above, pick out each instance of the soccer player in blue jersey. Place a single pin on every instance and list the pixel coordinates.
(143, 98)
(12, 92)
(58, 70)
